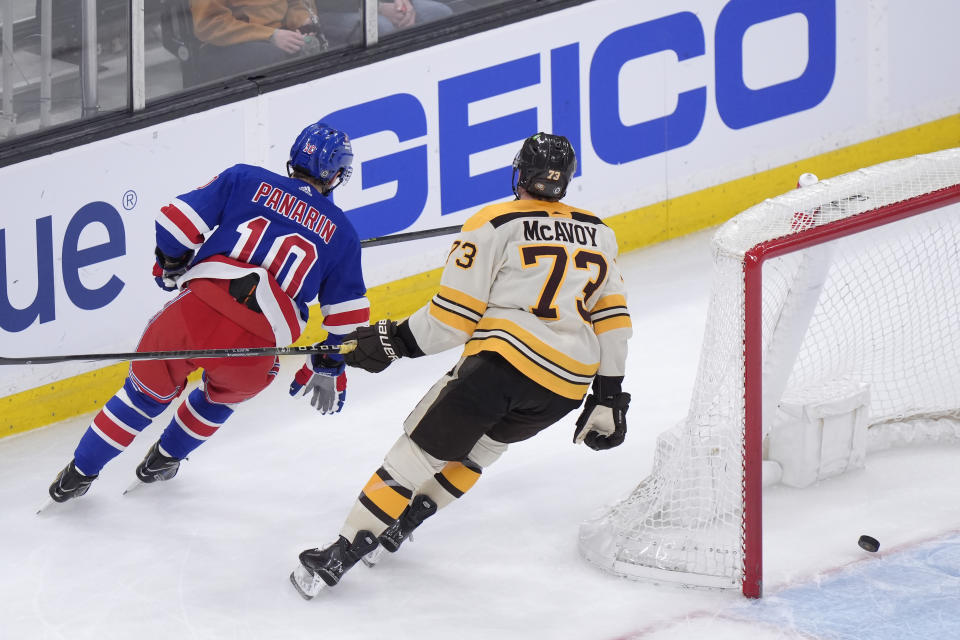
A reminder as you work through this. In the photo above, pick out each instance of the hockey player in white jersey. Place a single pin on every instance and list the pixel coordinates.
(533, 289)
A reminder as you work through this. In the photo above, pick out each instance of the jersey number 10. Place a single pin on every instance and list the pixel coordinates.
(282, 249)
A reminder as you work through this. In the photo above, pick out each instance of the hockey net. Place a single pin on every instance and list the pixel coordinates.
(852, 281)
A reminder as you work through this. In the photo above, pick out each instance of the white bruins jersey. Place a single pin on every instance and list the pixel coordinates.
(538, 283)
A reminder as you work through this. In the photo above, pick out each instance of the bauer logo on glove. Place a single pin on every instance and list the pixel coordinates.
(386, 340)
(379, 345)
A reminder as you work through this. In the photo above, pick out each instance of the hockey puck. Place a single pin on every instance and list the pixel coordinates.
(868, 544)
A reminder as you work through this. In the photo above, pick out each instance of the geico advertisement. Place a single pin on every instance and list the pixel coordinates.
(659, 99)
(629, 83)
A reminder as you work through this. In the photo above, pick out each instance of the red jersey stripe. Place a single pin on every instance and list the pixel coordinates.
(192, 424)
(183, 223)
(121, 437)
(348, 320)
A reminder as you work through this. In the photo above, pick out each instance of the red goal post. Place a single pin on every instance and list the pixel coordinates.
(851, 283)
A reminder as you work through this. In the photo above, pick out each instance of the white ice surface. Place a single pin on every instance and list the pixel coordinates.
(207, 555)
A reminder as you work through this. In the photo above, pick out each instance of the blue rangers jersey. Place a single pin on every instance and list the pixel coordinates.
(251, 220)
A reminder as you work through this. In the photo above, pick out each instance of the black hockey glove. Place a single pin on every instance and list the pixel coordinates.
(166, 270)
(380, 344)
(603, 422)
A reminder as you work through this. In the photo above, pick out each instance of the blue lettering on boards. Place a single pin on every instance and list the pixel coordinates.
(403, 115)
(75, 258)
(738, 105)
(617, 143)
(42, 307)
(459, 139)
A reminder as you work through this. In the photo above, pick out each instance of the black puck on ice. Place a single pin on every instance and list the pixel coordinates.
(869, 544)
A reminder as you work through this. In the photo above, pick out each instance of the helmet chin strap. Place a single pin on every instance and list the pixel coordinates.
(324, 188)
(327, 188)
(515, 183)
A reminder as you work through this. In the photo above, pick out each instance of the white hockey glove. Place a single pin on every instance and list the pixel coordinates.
(326, 377)
(603, 422)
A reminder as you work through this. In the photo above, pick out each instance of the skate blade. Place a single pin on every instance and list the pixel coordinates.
(133, 487)
(308, 585)
(372, 558)
(46, 505)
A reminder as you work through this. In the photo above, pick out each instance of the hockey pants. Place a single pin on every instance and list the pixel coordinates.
(461, 426)
(152, 385)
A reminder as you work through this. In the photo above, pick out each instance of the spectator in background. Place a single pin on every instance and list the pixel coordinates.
(341, 18)
(243, 35)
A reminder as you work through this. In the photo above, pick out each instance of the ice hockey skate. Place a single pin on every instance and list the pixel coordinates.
(70, 483)
(156, 467)
(412, 517)
(319, 567)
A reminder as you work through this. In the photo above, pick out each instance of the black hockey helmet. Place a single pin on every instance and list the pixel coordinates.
(544, 166)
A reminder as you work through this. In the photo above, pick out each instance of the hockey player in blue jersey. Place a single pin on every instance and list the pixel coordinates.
(247, 253)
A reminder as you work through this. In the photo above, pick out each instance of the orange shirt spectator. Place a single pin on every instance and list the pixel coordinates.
(226, 22)
(240, 36)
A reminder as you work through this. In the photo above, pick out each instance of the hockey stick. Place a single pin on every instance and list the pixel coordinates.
(410, 235)
(240, 352)
(346, 347)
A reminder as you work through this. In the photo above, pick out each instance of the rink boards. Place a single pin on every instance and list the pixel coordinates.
(682, 113)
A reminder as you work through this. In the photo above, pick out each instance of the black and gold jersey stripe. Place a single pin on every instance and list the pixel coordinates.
(540, 362)
(456, 309)
(610, 312)
(500, 214)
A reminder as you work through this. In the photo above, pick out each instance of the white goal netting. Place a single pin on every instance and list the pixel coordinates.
(878, 308)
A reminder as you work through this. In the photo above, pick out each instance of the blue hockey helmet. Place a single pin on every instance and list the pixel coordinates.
(544, 166)
(320, 151)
